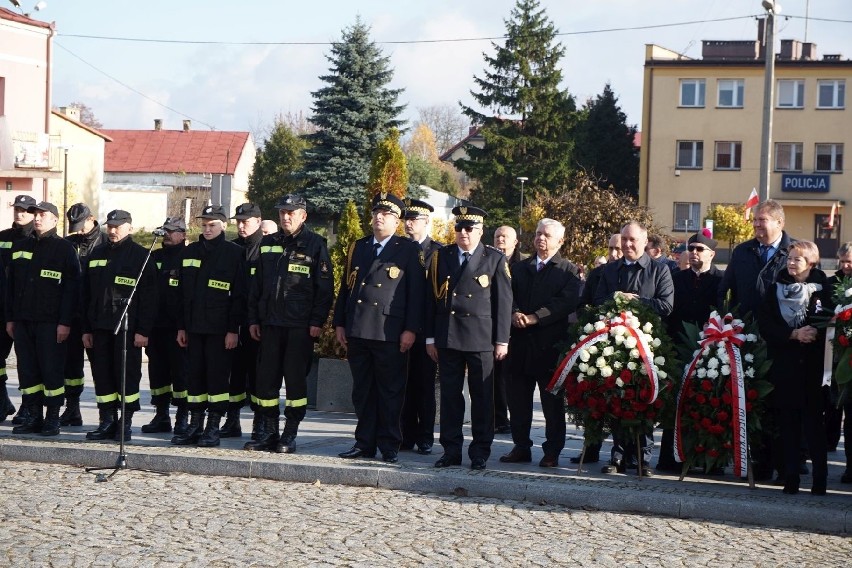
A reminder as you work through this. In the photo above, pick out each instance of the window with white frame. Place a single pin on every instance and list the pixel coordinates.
(791, 93)
(831, 93)
(690, 154)
(729, 155)
(687, 216)
(788, 156)
(692, 92)
(828, 158)
(731, 93)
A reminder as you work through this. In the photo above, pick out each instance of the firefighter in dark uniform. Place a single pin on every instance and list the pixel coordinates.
(21, 228)
(167, 361)
(244, 370)
(213, 295)
(378, 313)
(418, 412)
(290, 298)
(43, 289)
(467, 328)
(85, 234)
(108, 281)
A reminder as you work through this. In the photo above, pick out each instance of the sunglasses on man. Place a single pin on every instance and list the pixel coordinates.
(465, 228)
(696, 248)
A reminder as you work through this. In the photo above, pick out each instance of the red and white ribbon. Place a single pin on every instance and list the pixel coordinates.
(646, 355)
(728, 332)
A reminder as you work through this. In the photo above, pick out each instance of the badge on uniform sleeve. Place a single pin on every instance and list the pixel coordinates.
(393, 272)
(483, 280)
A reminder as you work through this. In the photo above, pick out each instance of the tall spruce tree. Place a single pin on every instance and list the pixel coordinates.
(605, 145)
(353, 112)
(528, 121)
(274, 169)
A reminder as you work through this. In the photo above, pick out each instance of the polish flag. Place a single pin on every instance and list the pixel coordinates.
(831, 217)
(752, 200)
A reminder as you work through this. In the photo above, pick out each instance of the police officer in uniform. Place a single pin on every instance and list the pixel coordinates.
(167, 361)
(467, 328)
(378, 313)
(212, 287)
(108, 281)
(244, 370)
(290, 298)
(418, 412)
(21, 228)
(84, 232)
(43, 289)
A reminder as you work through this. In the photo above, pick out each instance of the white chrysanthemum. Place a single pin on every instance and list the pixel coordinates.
(662, 374)
(706, 351)
(593, 349)
(600, 363)
(583, 367)
(749, 358)
(848, 293)
(630, 342)
(592, 371)
(712, 374)
(749, 372)
(656, 342)
(580, 378)
(584, 355)
(588, 328)
(631, 366)
(608, 350)
(582, 338)
(619, 382)
(619, 339)
(648, 327)
(606, 372)
(617, 365)
(723, 356)
(599, 325)
(660, 360)
(634, 353)
(701, 372)
(712, 363)
(751, 337)
(725, 370)
(642, 370)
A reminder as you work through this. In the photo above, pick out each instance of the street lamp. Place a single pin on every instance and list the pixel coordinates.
(65, 191)
(772, 8)
(521, 216)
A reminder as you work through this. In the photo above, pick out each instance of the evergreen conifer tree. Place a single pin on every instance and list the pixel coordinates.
(388, 173)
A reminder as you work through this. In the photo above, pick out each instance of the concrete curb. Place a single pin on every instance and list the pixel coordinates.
(831, 514)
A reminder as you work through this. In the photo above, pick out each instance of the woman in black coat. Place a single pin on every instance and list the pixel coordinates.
(796, 348)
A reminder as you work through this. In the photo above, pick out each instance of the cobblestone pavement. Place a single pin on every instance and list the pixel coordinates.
(54, 515)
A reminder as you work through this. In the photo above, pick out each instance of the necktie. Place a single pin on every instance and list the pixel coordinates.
(764, 253)
(541, 265)
(466, 256)
(377, 247)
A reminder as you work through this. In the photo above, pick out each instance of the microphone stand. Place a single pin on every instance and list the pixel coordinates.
(122, 325)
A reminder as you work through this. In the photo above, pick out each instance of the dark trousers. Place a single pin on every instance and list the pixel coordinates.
(790, 423)
(480, 382)
(666, 458)
(624, 447)
(167, 368)
(105, 360)
(833, 417)
(5, 349)
(502, 379)
(209, 372)
(521, 389)
(378, 392)
(418, 413)
(285, 353)
(74, 362)
(40, 361)
(244, 370)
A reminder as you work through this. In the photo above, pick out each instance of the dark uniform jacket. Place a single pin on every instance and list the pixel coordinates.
(43, 281)
(294, 285)
(381, 297)
(251, 245)
(747, 278)
(694, 298)
(552, 294)
(8, 237)
(213, 287)
(108, 280)
(85, 244)
(470, 309)
(167, 261)
(590, 287)
(650, 280)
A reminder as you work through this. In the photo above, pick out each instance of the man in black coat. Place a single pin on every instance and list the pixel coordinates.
(377, 316)
(468, 319)
(546, 291)
(695, 294)
(635, 277)
(418, 412)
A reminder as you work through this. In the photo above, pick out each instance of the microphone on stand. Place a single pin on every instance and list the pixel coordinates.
(159, 232)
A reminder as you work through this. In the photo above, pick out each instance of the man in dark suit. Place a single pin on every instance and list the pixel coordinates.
(546, 291)
(695, 293)
(639, 278)
(418, 412)
(378, 313)
(467, 327)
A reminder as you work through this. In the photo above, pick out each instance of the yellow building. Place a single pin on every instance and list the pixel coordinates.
(701, 137)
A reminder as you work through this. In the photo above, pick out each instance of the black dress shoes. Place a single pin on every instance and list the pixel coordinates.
(588, 459)
(503, 429)
(356, 452)
(390, 457)
(424, 449)
(549, 461)
(517, 455)
(614, 467)
(447, 461)
(477, 463)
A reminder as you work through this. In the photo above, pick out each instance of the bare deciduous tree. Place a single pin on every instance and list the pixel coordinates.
(447, 124)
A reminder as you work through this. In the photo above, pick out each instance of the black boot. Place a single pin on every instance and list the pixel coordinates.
(22, 415)
(181, 417)
(267, 434)
(6, 406)
(193, 430)
(161, 421)
(107, 426)
(210, 437)
(51, 422)
(255, 425)
(231, 428)
(128, 420)
(33, 422)
(287, 443)
(71, 416)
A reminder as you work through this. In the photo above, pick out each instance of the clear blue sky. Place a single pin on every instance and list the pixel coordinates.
(243, 87)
